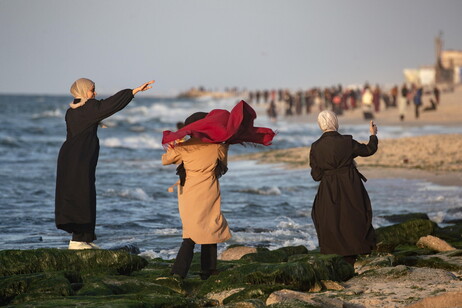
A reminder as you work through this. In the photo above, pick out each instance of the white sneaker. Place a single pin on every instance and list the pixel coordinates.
(93, 245)
(82, 245)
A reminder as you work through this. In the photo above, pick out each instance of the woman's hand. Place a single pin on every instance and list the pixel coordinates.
(373, 128)
(143, 87)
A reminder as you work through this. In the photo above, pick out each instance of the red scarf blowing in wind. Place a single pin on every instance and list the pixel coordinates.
(223, 126)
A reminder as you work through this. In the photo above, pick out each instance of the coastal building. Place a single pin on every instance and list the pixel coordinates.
(446, 70)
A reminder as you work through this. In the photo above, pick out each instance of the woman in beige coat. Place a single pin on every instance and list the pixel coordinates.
(199, 200)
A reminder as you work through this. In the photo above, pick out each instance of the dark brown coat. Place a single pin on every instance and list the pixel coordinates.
(341, 212)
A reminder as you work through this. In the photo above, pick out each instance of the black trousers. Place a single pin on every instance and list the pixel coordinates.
(185, 256)
(83, 237)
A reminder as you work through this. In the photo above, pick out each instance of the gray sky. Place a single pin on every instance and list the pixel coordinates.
(47, 44)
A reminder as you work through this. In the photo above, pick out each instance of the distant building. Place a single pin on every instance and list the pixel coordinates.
(451, 60)
(447, 68)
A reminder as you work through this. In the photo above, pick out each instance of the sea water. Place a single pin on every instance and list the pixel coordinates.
(265, 205)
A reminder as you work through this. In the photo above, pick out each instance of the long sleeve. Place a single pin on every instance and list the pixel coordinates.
(364, 150)
(223, 153)
(171, 157)
(316, 173)
(104, 108)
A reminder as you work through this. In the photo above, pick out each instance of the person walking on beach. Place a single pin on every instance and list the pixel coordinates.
(75, 199)
(341, 212)
(366, 100)
(204, 160)
(376, 94)
(402, 102)
(418, 100)
(436, 94)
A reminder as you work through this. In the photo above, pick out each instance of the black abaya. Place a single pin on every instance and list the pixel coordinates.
(75, 200)
(342, 212)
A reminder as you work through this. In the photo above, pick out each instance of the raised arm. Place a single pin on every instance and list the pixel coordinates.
(145, 86)
(370, 148)
(106, 107)
(171, 157)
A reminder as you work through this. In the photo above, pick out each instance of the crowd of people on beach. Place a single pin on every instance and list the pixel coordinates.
(371, 100)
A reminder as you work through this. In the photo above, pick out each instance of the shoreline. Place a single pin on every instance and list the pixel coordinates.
(434, 158)
(453, 178)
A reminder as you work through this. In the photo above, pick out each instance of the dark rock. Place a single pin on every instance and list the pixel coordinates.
(263, 278)
(408, 232)
(400, 218)
(14, 262)
(274, 256)
(249, 303)
(120, 301)
(259, 292)
(412, 250)
(22, 288)
(450, 234)
(130, 248)
(431, 262)
(109, 285)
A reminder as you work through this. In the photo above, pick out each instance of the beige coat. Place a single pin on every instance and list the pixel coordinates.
(199, 199)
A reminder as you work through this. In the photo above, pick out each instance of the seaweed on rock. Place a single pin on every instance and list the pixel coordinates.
(407, 232)
(13, 262)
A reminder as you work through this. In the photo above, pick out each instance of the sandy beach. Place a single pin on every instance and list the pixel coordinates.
(435, 158)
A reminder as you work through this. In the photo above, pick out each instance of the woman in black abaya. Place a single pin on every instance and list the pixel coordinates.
(342, 212)
(75, 201)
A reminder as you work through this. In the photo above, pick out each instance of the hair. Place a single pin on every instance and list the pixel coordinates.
(195, 117)
(179, 125)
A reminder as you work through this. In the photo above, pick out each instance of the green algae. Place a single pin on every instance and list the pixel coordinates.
(432, 262)
(293, 304)
(265, 277)
(21, 288)
(118, 301)
(451, 234)
(259, 292)
(13, 262)
(408, 232)
(400, 218)
(411, 250)
(274, 256)
(249, 303)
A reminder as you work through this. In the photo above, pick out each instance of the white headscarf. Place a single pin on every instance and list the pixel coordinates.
(327, 121)
(79, 90)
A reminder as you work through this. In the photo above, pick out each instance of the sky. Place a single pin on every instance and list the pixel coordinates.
(255, 44)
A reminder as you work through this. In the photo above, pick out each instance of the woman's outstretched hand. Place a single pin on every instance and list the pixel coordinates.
(143, 87)
(373, 128)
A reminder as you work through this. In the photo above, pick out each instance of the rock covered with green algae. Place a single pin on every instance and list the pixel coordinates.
(13, 262)
(412, 229)
(241, 283)
(27, 275)
(257, 280)
(65, 278)
(274, 256)
(408, 232)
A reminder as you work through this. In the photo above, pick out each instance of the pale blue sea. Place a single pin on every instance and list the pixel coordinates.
(265, 205)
